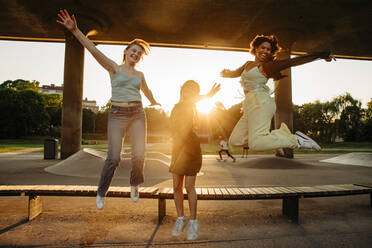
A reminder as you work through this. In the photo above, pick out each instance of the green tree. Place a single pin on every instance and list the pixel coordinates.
(157, 120)
(9, 112)
(309, 118)
(24, 113)
(88, 123)
(223, 121)
(53, 106)
(21, 84)
(101, 121)
(367, 123)
(350, 117)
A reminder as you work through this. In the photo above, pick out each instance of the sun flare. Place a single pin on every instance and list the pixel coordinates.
(205, 106)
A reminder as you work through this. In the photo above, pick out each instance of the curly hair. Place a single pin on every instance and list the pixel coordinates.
(259, 39)
(141, 43)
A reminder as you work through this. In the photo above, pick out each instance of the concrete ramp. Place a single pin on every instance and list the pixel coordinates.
(88, 163)
(354, 158)
(273, 163)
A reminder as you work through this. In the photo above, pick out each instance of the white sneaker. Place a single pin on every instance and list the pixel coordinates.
(134, 194)
(280, 151)
(305, 142)
(192, 231)
(178, 226)
(100, 202)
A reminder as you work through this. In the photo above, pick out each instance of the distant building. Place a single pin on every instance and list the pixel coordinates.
(92, 105)
(51, 89)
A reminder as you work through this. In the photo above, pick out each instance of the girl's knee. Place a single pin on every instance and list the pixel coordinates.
(112, 163)
(177, 188)
(189, 188)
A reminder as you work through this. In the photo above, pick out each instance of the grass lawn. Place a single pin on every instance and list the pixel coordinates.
(9, 145)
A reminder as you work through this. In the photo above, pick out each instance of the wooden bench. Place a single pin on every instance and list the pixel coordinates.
(289, 195)
(34, 193)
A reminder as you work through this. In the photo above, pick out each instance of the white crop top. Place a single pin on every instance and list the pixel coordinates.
(253, 80)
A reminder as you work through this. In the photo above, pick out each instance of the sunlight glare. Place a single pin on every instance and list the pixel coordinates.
(205, 106)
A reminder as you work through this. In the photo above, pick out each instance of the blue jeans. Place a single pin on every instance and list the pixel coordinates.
(122, 120)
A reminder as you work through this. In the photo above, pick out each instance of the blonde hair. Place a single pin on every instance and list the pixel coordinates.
(141, 43)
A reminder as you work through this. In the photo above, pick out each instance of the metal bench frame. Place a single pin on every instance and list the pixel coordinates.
(289, 195)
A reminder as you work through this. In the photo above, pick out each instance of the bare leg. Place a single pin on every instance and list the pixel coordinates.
(178, 193)
(191, 193)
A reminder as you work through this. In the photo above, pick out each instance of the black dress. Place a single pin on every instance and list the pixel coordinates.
(186, 152)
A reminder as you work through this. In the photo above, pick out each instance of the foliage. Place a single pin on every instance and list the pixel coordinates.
(89, 119)
(157, 120)
(24, 113)
(20, 84)
(222, 121)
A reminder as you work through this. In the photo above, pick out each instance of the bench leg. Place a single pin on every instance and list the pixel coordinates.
(35, 206)
(290, 208)
(162, 205)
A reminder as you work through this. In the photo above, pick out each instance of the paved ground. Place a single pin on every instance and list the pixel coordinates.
(74, 221)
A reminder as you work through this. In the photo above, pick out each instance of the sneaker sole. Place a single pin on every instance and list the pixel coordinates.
(304, 136)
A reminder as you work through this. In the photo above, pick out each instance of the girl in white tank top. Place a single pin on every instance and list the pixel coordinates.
(258, 107)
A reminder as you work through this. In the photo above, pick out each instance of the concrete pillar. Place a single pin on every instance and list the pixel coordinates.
(72, 98)
(283, 100)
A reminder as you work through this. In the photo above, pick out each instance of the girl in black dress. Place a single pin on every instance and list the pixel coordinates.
(186, 154)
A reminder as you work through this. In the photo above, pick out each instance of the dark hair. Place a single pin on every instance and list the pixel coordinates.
(259, 39)
(141, 43)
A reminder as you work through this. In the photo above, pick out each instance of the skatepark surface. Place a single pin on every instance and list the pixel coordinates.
(75, 222)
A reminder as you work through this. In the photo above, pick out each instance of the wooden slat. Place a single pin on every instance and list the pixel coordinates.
(211, 193)
(251, 192)
(225, 193)
(204, 192)
(368, 185)
(288, 190)
(231, 193)
(218, 192)
(246, 192)
(198, 191)
(238, 193)
(274, 191)
(260, 192)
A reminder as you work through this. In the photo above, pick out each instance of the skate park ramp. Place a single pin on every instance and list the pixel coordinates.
(88, 163)
(274, 163)
(354, 158)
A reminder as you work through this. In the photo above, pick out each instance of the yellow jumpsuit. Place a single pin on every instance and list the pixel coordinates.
(258, 110)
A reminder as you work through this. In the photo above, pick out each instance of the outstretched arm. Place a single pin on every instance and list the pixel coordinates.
(233, 73)
(272, 69)
(147, 92)
(70, 24)
(213, 91)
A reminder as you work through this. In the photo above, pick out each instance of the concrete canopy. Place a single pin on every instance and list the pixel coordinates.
(342, 26)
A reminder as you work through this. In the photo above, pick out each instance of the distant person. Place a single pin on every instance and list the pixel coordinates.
(245, 151)
(224, 148)
(258, 106)
(126, 113)
(186, 158)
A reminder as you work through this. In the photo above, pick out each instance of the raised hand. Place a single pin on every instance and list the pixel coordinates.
(67, 21)
(155, 103)
(215, 88)
(224, 73)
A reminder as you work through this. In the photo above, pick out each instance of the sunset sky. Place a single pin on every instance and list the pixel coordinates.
(166, 69)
